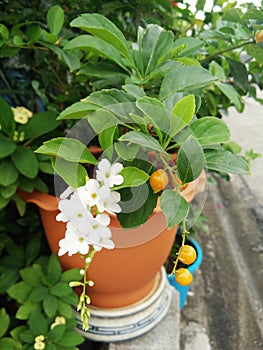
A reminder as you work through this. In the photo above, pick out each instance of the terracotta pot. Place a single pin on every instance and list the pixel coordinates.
(126, 274)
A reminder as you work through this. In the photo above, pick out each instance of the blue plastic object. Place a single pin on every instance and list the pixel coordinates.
(183, 291)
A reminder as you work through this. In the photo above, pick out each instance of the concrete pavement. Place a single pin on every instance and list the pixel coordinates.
(225, 301)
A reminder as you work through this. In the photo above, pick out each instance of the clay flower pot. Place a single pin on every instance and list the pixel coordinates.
(127, 273)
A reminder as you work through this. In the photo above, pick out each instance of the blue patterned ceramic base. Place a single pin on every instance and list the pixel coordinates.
(109, 325)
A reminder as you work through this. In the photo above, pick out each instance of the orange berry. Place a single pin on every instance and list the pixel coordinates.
(158, 180)
(259, 36)
(187, 254)
(183, 277)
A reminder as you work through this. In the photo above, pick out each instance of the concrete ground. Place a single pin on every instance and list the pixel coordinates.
(224, 309)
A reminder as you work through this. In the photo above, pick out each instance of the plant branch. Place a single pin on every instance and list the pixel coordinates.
(208, 58)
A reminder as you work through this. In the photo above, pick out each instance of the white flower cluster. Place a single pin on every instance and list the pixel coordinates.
(76, 207)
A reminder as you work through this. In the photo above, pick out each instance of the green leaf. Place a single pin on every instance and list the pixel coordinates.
(40, 124)
(27, 337)
(33, 32)
(181, 114)
(25, 161)
(7, 121)
(3, 201)
(255, 51)
(64, 309)
(134, 90)
(71, 338)
(155, 111)
(73, 174)
(113, 100)
(8, 278)
(98, 46)
(140, 121)
(55, 19)
(50, 305)
(210, 130)
(200, 4)
(8, 172)
(226, 162)
(38, 294)
(104, 29)
(56, 333)
(174, 206)
(69, 149)
(230, 92)
(103, 69)
(126, 151)
(185, 78)
(61, 289)
(19, 291)
(71, 275)
(239, 73)
(20, 205)
(10, 344)
(252, 13)
(106, 137)
(71, 60)
(9, 191)
(233, 15)
(4, 322)
(32, 276)
(7, 147)
(103, 121)
(46, 167)
(38, 324)
(190, 160)
(26, 309)
(188, 46)
(32, 249)
(54, 268)
(26, 184)
(155, 44)
(143, 140)
(217, 71)
(4, 32)
(133, 177)
(137, 205)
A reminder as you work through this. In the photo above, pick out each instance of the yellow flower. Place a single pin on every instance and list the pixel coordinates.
(21, 114)
(39, 342)
(39, 345)
(59, 320)
(39, 338)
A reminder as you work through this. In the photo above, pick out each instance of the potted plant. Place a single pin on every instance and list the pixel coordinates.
(93, 64)
(153, 146)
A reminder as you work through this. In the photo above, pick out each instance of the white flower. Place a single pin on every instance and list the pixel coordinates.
(108, 174)
(91, 193)
(73, 210)
(73, 243)
(68, 191)
(98, 232)
(104, 243)
(109, 202)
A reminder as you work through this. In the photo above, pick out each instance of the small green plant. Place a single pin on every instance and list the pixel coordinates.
(45, 302)
(6, 341)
